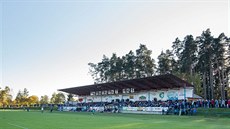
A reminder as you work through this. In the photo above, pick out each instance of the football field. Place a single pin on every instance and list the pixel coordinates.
(77, 120)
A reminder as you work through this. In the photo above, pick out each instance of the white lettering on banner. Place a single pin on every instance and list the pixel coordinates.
(130, 108)
(98, 108)
(157, 109)
(145, 109)
(148, 109)
(69, 108)
(135, 108)
(140, 109)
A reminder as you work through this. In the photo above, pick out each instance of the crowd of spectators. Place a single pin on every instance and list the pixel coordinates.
(178, 107)
(213, 103)
(128, 103)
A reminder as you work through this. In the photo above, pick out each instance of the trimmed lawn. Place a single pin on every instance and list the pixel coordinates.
(76, 120)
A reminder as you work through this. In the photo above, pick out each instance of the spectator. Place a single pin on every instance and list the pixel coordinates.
(51, 108)
(42, 109)
(27, 109)
(216, 103)
(212, 103)
(223, 104)
(229, 103)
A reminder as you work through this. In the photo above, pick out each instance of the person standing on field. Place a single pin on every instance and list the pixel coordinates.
(228, 103)
(51, 108)
(42, 109)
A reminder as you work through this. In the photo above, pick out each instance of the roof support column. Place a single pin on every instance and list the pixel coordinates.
(148, 95)
(184, 91)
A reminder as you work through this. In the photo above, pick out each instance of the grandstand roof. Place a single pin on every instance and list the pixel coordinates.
(167, 81)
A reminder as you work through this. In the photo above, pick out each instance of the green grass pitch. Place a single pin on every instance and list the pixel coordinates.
(76, 120)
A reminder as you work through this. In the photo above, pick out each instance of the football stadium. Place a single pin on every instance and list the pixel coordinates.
(151, 95)
(115, 64)
(158, 102)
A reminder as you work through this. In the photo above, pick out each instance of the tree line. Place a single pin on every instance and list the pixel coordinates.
(136, 64)
(202, 60)
(23, 99)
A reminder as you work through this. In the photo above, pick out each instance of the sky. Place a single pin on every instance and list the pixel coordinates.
(46, 45)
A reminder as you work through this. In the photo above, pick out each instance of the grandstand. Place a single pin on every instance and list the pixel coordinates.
(136, 95)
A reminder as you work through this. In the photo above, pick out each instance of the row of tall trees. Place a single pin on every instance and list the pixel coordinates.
(132, 65)
(23, 98)
(5, 96)
(202, 60)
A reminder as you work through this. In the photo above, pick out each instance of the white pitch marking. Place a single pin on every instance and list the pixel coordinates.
(18, 126)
